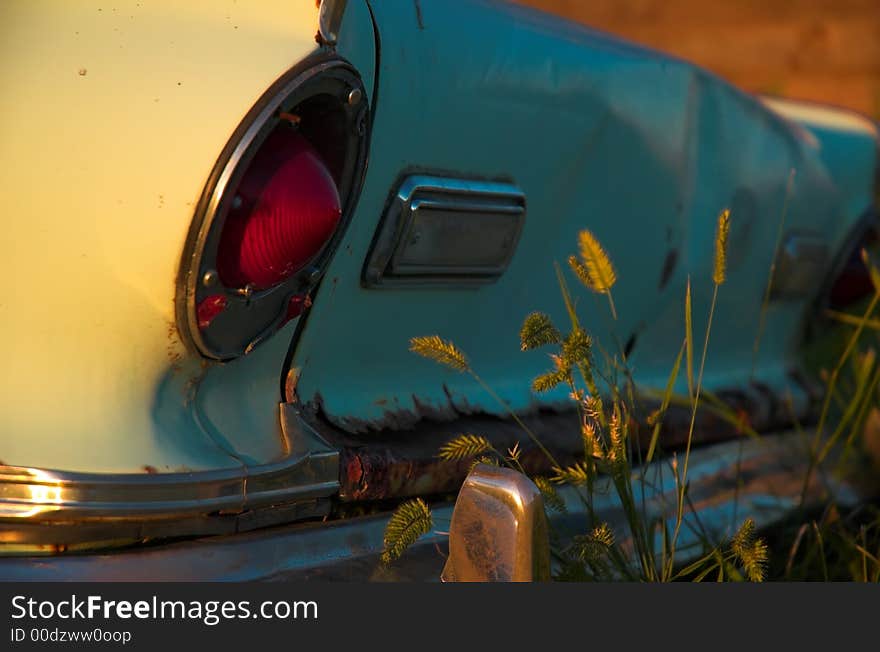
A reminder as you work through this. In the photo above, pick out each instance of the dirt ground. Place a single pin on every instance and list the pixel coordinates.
(823, 50)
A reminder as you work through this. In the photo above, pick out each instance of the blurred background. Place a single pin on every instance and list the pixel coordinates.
(822, 50)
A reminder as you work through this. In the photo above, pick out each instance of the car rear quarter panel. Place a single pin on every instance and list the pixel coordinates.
(112, 115)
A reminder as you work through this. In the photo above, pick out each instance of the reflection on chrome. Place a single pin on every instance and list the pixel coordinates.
(45, 495)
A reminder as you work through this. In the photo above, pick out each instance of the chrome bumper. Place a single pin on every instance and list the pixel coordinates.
(44, 510)
(769, 471)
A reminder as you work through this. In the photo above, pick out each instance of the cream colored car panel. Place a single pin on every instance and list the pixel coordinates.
(111, 118)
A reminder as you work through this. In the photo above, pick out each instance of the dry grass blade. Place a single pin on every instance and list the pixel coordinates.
(681, 484)
(538, 330)
(551, 497)
(600, 272)
(873, 273)
(667, 396)
(577, 474)
(699, 578)
(440, 351)
(721, 232)
(566, 297)
(596, 545)
(833, 378)
(853, 320)
(464, 446)
(695, 566)
(580, 270)
(821, 544)
(794, 550)
(765, 302)
(751, 551)
(409, 521)
(689, 338)
(547, 381)
(488, 460)
(577, 348)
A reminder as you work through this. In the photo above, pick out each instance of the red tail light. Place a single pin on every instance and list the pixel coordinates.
(274, 210)
(853, 281)
(853, 285)
(286, 209)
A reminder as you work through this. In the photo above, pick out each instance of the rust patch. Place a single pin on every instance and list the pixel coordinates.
(191, 387)
(400, 460)
(382, 471)
(354, 474)
(290, 383)
(395, 417)
(174, 348)
(398, 463)
(374, 473)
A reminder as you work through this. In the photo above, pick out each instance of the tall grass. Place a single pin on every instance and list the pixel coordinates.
(605, 398)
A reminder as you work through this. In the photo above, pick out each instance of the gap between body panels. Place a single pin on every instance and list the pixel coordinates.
(288, 377)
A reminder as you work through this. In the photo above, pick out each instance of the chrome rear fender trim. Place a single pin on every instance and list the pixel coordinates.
(61, 500)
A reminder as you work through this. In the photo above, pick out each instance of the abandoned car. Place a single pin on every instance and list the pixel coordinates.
(226, 221)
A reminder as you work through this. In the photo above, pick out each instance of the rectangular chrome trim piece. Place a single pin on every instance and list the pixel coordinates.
(440, 231)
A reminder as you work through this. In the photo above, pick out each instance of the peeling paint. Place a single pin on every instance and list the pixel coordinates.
(290, 382)
(395, 418)
(396, 456)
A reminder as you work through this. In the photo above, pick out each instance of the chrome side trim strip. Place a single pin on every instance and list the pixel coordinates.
(308, 471)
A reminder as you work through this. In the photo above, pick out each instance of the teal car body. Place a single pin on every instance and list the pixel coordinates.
(642, 149)
(134, 430)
